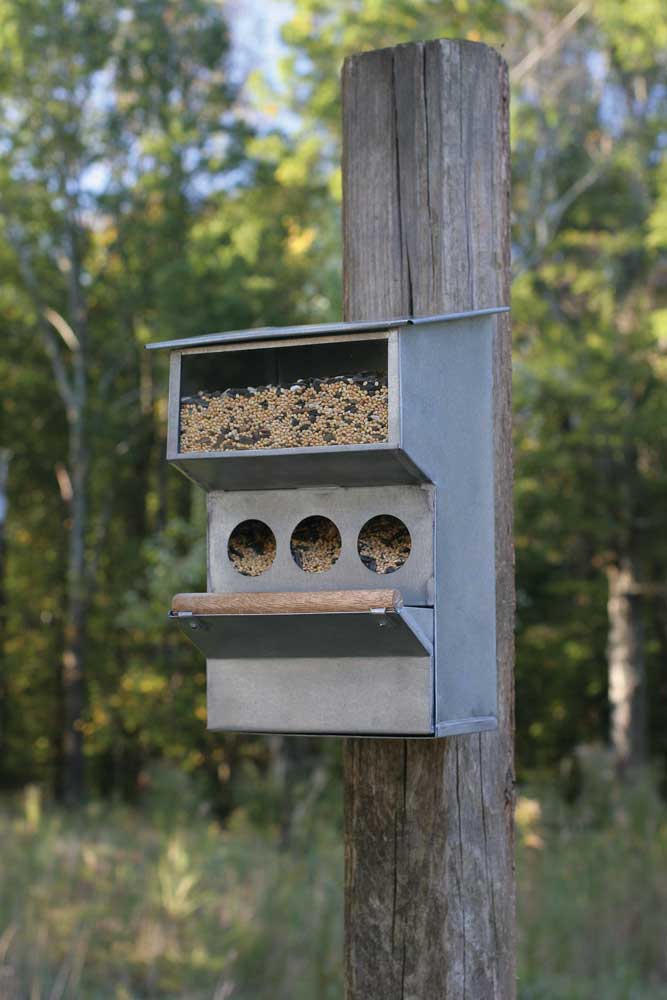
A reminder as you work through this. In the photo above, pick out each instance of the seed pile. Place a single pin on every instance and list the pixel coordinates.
(251, 548)
(384, 544)
(315, 544)
(313, 412)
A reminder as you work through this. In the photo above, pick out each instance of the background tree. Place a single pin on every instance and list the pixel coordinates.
(133, 206)
(588, 123)
(137, 203)
(591, 417)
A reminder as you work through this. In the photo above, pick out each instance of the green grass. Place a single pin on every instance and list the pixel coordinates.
(592, 891)
(111, 903)
(117, 903)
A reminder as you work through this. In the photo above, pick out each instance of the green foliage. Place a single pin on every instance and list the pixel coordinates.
(592, 878)
(135, 203)
(124, 124)
(163, 902)
(111, 904)
(588, 125)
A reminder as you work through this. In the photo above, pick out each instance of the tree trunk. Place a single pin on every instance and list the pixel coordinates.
(78, 582)
(5, 458)
(75, 623)
(429, 878)
(626, 666)
(73, 392)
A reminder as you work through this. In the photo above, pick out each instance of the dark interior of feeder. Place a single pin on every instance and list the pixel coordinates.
(251, 548)
(384, 544)
(315, 544)
(219, 370)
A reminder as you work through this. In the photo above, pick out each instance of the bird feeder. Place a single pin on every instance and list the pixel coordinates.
(351, 568)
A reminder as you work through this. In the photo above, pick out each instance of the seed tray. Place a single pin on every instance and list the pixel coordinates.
(313, 412)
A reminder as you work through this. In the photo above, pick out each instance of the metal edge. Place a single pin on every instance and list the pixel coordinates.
(403, 613)
(276, 332)
(409, 620)
(411, 474)
(329, 449)
(452, 317)
(174, 405)
(343, 735)
(176, 616)
(460, 727)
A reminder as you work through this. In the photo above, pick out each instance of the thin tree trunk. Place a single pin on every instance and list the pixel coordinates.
(78, 582)
(287, 756)
(5, 458)
(626, 666)
(73, 391)
(429, 869)
(73, 679)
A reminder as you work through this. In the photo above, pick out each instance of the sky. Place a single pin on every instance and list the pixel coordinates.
(255, 26)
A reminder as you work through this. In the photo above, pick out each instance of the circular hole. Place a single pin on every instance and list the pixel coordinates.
(315, 544)
(384, 544)
(251, 548)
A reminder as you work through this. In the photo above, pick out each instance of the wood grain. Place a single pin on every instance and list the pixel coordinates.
(429, 871)
(286, 603)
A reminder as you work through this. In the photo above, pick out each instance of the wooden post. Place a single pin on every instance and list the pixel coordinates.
(429, 880)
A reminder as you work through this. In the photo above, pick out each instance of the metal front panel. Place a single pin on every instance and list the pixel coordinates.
(349, 509)
(174, 404)
(394, 387)
(447, 428)
(373, 696)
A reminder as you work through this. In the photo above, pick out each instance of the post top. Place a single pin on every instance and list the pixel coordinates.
(317, 329)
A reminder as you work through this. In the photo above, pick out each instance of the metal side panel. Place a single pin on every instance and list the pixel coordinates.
(306, 636)
(353, 695)
(447, 428)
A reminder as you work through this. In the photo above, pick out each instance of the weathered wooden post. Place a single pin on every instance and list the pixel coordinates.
(429, 882)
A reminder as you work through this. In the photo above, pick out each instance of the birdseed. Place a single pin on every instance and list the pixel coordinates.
(309, 413)
(315, 544)
(384, 544)
(251, 548)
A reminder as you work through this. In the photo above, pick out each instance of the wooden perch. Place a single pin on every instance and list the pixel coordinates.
(287, 603)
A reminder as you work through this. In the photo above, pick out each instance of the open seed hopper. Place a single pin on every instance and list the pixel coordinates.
(351, 568)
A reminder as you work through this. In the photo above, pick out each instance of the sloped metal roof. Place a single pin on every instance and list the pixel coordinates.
(317, 329)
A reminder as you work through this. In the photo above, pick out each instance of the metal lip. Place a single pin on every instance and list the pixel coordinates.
(319, 329)
(343, 734)
(194, 616)
(462, 727)
(249, 453)
(308, 636)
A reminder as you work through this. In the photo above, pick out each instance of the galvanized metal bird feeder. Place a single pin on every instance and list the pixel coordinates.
(351, 567)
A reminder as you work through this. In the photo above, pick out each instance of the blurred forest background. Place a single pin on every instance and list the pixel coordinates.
(152, 187)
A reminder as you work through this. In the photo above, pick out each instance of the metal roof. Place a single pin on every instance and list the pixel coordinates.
(317, 329)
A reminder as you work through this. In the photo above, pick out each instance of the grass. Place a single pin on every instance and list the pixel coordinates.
(114, 903)
(592, 891)
(117, 903)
